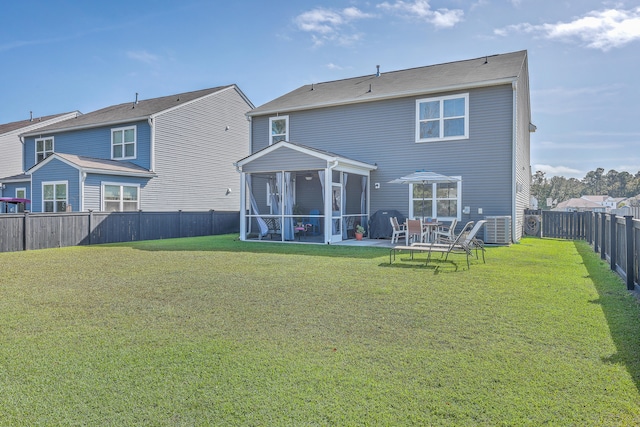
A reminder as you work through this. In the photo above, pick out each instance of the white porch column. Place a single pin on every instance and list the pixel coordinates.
(243, 206)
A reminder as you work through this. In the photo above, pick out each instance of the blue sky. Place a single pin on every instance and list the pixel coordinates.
(584, 57)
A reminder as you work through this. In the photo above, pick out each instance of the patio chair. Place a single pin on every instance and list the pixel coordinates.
(273, 227)
(445, 232)
(397, 229)
(466, 242)
(415, 231)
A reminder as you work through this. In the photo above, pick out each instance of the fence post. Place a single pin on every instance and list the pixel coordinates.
(630, 267)
(25, 231)
(213, 222)
(603, 236)
(613, 246)
(90, 225)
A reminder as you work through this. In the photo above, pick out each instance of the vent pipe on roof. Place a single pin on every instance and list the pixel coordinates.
(378, 71)
(369, 88)
(136, 97)
(486, 59)
(30, 116)
(312, 86)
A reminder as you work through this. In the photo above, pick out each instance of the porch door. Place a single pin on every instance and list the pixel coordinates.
(336, 212)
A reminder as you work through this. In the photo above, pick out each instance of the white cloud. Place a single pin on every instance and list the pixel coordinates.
(421, 9)
(327, 25)
(142, 56)
(602, 30)
(558, 170)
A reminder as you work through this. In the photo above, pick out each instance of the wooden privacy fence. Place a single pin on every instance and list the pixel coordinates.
(615, 238)
(26, 231)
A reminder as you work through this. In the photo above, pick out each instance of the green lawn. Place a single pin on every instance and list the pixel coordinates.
(213, 331)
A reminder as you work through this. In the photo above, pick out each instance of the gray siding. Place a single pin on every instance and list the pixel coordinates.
(384, 133)
(285, 156)
(93, 188)
(195, 154)
(523, 152)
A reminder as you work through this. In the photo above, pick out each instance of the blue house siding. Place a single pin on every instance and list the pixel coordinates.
(94, 142)
(56, 171)
(383, 133)
(10, 189)
(93, 188)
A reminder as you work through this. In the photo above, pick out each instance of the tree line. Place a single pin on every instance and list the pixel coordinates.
(559, 188)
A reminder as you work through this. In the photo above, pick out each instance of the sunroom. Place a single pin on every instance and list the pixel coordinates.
(291, 192)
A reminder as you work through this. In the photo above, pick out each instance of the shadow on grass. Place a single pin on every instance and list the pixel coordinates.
(620, 308)
(231, 243)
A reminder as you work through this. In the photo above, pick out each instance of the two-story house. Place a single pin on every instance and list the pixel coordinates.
(326, 153)
(169, 153)
(15, 181)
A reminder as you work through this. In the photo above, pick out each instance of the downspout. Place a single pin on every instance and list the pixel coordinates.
(514, 158)
(152, 166)
(83, 177)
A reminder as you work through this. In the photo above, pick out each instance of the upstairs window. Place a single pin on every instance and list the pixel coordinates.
(120, 198)
(44, 148)
(123, 143)
(443, 118)
(279, 129)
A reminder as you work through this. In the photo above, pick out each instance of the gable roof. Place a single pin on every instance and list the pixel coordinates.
(460, 75)
(23, 124)
(327, 156)
(129, 111)
(94, 165)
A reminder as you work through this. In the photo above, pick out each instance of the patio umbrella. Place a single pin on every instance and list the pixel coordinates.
(424, 177)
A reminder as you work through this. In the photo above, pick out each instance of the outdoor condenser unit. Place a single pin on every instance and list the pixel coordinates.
(497, 230)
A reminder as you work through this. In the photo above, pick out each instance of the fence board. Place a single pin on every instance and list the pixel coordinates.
(50, 230)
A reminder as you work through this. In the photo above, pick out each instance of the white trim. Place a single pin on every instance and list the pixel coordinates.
(88, 170)
(35, 148)
(121, 185)
(286, 132)
(434, 199)
(514, 158)
(54, 183)
(442, 119)
(21, 189)
(124, 143)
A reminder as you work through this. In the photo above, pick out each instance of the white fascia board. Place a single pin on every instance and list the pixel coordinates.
(394, 95)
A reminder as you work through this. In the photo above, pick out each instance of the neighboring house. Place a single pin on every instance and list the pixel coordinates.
(16, 182)
(597, 203)
(169, 153)
(330, 149)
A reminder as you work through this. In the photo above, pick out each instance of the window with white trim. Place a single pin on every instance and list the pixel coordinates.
(278, 129)
(442, 118)
(21, 193)
(44, 148)
(120, 197)
(54, 196)
(123, 143)
(439, 200)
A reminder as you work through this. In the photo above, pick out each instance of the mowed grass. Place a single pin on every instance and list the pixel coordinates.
(213, 331)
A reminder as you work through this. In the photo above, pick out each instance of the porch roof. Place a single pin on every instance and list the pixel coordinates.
(305, 157)
(93, 165)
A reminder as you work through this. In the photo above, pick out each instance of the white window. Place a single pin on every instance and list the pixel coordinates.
(278, 129)
(54, 196)
(21, 193)
(44, 148)
(441, 201)
(443, 118)
(123, 143)
(120, 197)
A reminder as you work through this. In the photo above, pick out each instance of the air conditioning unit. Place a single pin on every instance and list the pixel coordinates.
(497, 230)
